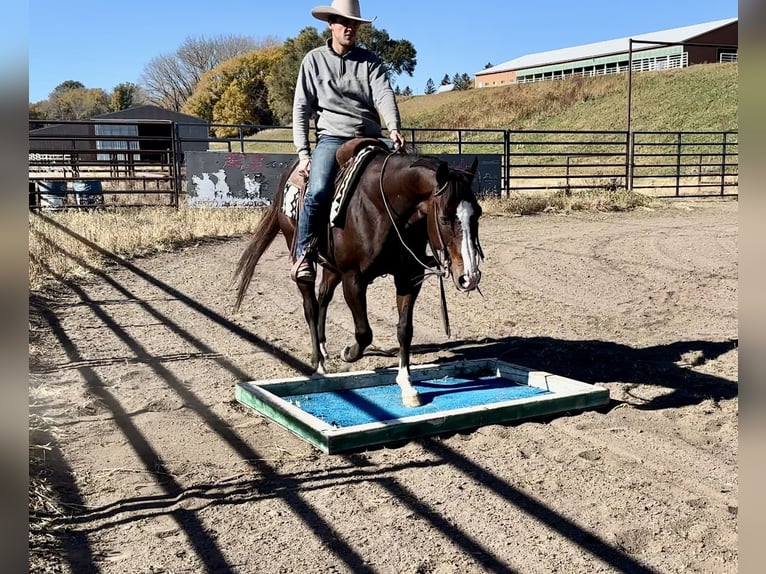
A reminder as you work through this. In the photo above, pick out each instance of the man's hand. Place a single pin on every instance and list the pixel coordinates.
(398, 139)
(304, 167)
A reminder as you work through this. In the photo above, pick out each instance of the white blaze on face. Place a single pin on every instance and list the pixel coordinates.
(468, 247)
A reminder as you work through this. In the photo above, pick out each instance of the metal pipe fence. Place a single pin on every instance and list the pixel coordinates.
(145, 163)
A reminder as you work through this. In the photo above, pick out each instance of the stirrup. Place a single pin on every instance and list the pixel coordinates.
(303, 270)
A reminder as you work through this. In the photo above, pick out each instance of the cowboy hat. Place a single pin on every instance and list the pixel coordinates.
(341, 8)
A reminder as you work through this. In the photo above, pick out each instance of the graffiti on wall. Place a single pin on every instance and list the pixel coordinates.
(226, 179)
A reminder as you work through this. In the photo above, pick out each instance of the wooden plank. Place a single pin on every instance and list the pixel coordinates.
(266, 398)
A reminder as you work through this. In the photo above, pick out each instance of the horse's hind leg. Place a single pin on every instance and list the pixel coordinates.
(327, 285)
(311, 313)
(355, 292)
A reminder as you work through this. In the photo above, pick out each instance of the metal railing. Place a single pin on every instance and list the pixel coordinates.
(138, 168)
(149, 167)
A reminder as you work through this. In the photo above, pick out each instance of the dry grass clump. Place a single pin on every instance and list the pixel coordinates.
(528, 203)
(45, 510)
(66, 245)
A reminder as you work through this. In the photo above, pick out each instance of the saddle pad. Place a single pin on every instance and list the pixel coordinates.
(290, 200)
(345, 182)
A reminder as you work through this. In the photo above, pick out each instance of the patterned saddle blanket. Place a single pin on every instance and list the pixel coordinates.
(345, 182)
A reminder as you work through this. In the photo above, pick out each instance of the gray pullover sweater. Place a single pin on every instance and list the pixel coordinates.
(343, 92)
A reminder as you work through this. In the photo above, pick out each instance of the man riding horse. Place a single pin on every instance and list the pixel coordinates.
(343, 86)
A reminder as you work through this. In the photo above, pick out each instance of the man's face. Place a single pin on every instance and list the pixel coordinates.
(344, 31)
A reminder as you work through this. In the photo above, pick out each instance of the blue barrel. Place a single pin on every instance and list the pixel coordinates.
(88, 192)
(52, 194)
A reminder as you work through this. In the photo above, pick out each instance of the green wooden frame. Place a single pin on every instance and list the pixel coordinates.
(265, 397)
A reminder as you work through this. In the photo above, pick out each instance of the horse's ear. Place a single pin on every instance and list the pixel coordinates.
(474, 165)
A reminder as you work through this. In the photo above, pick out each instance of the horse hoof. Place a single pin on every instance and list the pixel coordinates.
(411, 400)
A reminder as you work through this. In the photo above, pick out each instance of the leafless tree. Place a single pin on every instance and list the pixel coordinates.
(169, 79)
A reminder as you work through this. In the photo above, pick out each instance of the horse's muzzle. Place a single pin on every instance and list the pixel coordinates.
(469, 281)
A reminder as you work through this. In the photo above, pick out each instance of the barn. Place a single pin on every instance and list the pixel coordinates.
(151, 126)
(612, 56)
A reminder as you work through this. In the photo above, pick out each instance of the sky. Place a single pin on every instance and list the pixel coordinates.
(104, 43)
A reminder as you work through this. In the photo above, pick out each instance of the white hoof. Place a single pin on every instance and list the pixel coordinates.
(412, 400)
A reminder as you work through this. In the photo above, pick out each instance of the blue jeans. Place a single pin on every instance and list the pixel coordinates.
(316, 202)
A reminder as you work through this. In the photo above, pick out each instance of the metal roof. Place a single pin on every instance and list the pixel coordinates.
(149, 112)
(607, 47)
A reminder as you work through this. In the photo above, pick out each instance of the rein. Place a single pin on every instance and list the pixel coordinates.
(441, 270)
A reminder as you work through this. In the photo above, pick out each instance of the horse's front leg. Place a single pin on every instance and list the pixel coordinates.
(355, 292)
(311, 313)
(327, 284)
(406, 294)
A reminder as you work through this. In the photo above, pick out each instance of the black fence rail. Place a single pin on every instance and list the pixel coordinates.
(88, 164)
(685, 162)
(566, 160)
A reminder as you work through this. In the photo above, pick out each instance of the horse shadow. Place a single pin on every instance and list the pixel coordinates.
(594, 361)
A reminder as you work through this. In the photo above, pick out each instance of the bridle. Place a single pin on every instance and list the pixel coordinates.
(443, 267)
(441, 254)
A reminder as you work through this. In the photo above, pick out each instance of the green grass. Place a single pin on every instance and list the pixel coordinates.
(703, 97)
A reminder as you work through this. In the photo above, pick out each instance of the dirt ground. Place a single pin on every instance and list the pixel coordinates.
(159, 469)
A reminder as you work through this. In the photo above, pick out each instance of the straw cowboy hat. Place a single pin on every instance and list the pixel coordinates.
(341, 8)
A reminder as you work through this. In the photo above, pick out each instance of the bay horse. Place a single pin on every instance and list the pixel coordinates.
(401, 205)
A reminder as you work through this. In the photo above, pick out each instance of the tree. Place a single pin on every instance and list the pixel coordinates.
(236, 91)
(445, 80)
(37, 110)
(462, 81)
(124, 96)
(170, 79)
(76, 103)
(281, 85)
(430, 88)
(407, 91)
(397, 90)
(398, 56)
(68, 85)
(487, 65)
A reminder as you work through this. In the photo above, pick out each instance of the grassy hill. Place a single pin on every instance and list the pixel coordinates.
(703, 97)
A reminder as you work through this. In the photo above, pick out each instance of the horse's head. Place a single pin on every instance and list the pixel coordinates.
(453, 225)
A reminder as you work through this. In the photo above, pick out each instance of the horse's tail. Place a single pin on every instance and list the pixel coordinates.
(264, 235)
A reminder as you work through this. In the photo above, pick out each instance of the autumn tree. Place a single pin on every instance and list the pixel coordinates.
(236, 91)
(170, 79)
(73, 103)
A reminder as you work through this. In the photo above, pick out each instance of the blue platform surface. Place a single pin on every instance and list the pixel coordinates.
(346, 408)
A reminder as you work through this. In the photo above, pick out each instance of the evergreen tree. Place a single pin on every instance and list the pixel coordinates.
(407, 91)
(430, 88)
(445, 80)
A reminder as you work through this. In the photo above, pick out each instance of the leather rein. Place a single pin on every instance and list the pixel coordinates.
(443, 267)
